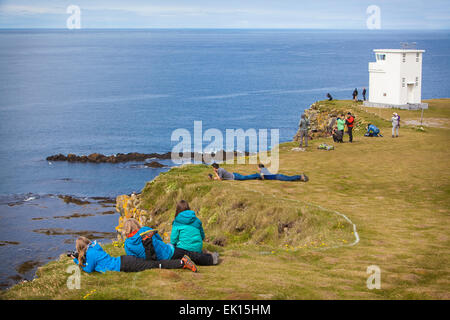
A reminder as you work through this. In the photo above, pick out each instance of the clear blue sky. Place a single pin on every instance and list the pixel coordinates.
(324, 14)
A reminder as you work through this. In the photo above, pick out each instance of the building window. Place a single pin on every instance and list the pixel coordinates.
(380, 57)
(417, 81)
(403, 82)
(404, 57)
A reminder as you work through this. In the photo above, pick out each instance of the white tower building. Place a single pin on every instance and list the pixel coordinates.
(395, 79)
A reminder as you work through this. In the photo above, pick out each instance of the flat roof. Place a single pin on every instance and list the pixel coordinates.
(398, 50)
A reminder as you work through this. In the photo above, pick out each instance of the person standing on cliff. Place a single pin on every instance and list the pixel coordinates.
(349, 122)
(395, 124)
(355, 95)
(303, 128)
(340, 128)
(364, 94)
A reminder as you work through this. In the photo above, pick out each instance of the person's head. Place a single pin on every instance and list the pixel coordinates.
(349, 114)
(215, 166)
(182, 205)
(260, 165)
(368, 125)
(130, 225)
(81, 245)
(303, 116)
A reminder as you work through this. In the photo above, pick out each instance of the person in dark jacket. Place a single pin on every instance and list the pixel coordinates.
(329, 96)
(355, 95)
(92, 257)
(146, 243)
(364, 94)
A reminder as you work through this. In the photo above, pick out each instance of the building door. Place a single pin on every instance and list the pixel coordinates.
(410, 88)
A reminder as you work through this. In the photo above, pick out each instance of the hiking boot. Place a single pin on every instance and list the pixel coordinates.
(188, 264)
(305, 178)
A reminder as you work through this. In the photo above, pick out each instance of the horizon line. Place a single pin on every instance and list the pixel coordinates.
(219, 28)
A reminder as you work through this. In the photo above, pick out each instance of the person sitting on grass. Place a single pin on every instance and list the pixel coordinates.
(222, 174)
(187, 236)
(92, 257)
(267, 175)
(146, 243)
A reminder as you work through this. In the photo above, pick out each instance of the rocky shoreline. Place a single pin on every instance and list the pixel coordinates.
(140, 157)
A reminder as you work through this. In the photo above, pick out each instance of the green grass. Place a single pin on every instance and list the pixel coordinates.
(396, 191)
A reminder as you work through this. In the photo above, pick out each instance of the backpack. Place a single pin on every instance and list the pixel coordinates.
(147, 242)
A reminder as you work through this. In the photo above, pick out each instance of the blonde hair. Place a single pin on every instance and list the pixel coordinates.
(130, 225)
(81, 246)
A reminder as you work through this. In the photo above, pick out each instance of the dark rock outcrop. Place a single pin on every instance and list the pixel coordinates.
(155, 164)
(141, 157)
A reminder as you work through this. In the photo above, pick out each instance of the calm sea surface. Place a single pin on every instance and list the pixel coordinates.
(111, 91)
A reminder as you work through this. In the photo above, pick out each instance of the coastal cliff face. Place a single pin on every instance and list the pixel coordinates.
(128, 207)
(322, 119)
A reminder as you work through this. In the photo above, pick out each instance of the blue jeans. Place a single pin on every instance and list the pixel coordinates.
(238, 176)
(282, 177)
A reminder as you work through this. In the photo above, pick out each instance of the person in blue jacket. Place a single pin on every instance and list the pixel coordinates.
(372, 131)
(187, 235)
(146, 243)
(92, 257)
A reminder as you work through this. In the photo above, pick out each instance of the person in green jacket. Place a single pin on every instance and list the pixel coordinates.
(340, 128)
(187, 230)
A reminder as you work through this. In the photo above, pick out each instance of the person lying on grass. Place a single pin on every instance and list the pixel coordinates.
(222, 174)
(146, 243)
(92, 257)
(267, 175)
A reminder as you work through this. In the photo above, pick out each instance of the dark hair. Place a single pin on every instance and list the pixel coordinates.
(349, 113)
(215, 165)
(182, 205)
(260, 165)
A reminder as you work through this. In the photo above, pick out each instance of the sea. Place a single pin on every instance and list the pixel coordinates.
(117, 91)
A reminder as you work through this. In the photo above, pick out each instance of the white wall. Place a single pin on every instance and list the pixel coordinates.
(385, 77)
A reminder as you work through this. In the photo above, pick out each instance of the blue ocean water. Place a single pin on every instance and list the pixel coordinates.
(110, 91)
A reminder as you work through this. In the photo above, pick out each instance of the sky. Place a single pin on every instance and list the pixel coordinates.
(311, 14)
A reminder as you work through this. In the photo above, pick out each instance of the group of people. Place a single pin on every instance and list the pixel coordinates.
(145, 249)
(355, 94)
(264, 174)
(338, 130)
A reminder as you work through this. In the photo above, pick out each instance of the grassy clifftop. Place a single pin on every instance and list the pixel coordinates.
(287, 240)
